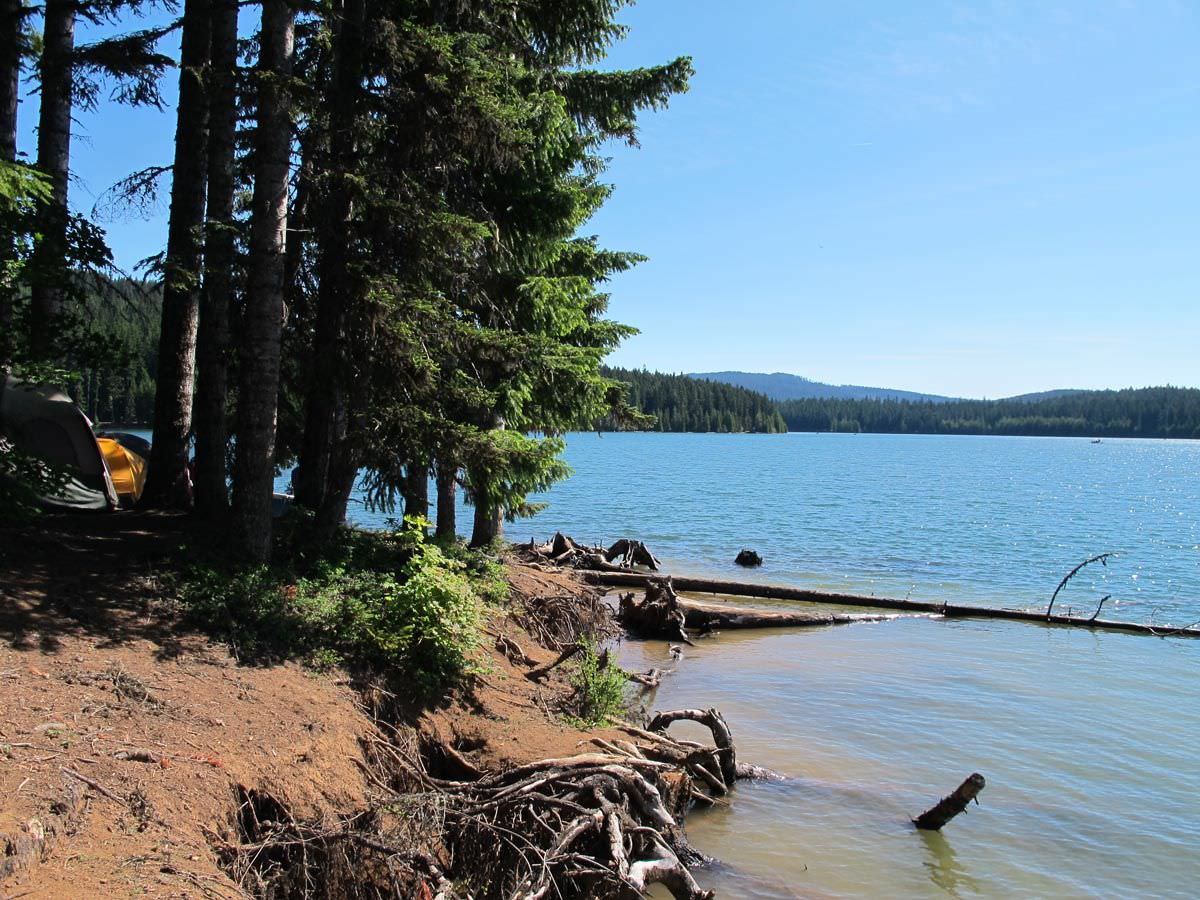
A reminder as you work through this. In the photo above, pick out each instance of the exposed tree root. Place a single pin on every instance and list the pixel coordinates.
(559, 621)
(597, 824)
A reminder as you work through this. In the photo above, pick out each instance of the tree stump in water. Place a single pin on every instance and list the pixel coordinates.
(949, 807)
(748, 558)
(657, 615)
(631, 553)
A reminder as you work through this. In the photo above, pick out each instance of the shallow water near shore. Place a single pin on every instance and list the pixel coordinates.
(1088, 740)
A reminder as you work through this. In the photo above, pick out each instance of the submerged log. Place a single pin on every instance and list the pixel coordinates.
(948, 610)
(948, 807)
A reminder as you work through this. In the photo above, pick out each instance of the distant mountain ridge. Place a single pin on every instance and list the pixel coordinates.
(1045, 395)
(784, 386)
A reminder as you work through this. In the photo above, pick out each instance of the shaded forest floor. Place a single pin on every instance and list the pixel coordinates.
(130, 742)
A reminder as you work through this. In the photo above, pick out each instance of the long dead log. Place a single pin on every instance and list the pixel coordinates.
(948, 610)
(948, 807)
(708, 616)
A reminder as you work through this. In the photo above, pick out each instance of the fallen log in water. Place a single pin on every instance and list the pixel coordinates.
(708, 616)
(948, 610)
(664, 614)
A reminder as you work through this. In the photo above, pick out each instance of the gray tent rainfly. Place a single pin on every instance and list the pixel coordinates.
(44, 422)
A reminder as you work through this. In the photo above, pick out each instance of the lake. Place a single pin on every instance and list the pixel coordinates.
(1088, 740)
(989, 520)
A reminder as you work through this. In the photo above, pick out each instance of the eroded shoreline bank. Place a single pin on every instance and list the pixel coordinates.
(143, 756)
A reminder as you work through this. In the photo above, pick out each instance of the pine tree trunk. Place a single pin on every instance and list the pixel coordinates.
(325, 408)
(488, 525)
(11, 16)
(262, 324)
(54, 159)
(343, 469)
(212, 339)
(416, 489)
(10, 72)
(447, 488)
(167, 481)
(489, 515)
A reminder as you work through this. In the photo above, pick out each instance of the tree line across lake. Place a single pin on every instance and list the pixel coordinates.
(1157, 412)
(681, 403)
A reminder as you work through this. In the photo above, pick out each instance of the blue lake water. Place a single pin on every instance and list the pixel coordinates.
(990, 520)
(1090, 741)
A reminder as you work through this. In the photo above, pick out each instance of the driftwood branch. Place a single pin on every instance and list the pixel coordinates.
(1101, 558)
(935, 818)
(542, 671)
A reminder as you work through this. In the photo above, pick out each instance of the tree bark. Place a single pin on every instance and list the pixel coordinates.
(447, 488)
(54, 159)
(343, 470)
(167, 481)
(327, 390)
(262, 325)
(212, 339)
(416, 488)
(488, 525)
(11, 16)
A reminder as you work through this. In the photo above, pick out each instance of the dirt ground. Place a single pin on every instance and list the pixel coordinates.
(125, 737)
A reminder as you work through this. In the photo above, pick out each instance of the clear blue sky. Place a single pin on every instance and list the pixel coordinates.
(978, 199)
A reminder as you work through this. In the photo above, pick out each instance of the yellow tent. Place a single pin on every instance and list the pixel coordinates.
(128, 470)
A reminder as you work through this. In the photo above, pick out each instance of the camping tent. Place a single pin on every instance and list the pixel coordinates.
(126, 467)
(44, 422)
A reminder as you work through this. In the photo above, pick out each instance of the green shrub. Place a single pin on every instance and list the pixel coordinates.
(599, 689)
(418, 618)
(429, 620)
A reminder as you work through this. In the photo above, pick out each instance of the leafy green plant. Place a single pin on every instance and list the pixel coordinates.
(600, 688)
(418, 618)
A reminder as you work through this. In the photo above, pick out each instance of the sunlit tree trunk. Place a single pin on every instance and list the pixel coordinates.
(166, 484)
(11, 15)
(54, 159)
(262, 323)
(212, 340)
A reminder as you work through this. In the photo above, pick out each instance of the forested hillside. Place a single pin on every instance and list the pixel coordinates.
(682, 403)
(1161, 412)
(119, 356)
